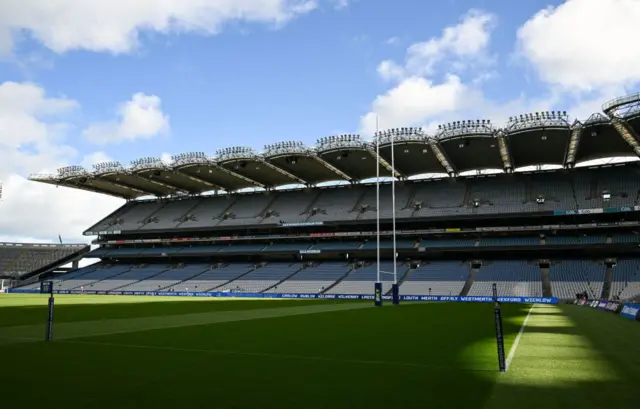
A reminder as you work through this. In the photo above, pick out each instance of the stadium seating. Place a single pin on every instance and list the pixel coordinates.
(65, 277)
(294, 247)
(625, 238)
(371, 244)
(19, 259)
(513, 278)
(213, 277)
(337, 203)
(248, 209)
(625, 283)
(427, 243)
(388, 244)
(138, 214)
(127, 275)
(569, 240)
(570, 277)
(84, 278)
(590, 187)
(206, 212)
(361, 280)
(167, 279)
(497, 194)
(168, 215)
(436, 278)
(262, 278)
(290, 208)
(313, 279)
(509, 241)
(337, 245)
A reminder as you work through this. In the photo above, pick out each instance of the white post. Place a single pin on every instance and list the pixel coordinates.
(393, 209)
(378, 199)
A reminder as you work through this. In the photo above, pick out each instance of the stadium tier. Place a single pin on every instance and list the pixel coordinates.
(472, 197)
(515, 278)
(247, 222)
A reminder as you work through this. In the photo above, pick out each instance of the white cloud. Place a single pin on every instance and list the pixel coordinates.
(584, 45)
(33, 131)
(414, 101)
(417, 99)
(115, 26)
(139, 118)
(390, 70)
(458, 45)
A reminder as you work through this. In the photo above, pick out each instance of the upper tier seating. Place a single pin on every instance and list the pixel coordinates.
(497, 194)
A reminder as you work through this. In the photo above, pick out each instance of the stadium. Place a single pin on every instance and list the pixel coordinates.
(221, 276)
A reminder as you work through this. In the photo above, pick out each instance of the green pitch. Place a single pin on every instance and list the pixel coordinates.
(149, 352)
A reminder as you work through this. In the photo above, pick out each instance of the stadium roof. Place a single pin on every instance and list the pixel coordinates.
(540, 138)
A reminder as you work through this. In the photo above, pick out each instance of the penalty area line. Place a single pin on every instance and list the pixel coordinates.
(514, 347)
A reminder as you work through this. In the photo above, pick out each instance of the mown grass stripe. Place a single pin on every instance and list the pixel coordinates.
(81, 329)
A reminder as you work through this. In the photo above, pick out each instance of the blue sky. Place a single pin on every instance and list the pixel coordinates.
(253, 84)
(83, 81)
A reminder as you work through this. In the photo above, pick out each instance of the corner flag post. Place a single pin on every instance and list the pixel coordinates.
(499, 334)
(377, 290)
(46, 287)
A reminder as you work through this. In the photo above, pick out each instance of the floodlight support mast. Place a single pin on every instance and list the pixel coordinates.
(378, 201)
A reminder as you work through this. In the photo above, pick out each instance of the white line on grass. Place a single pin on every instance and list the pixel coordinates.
(512, 352)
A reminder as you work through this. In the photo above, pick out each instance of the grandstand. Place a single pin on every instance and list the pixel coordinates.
(22, 263)
(228, 224)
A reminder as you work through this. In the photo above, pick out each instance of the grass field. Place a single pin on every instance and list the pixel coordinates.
(148, 352)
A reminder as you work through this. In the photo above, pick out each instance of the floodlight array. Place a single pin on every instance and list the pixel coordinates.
(189, 158)
(284, 147)
(340, 141)
(147, 163)
(540, 116)
(108, 167)
(617, 112)
(463, 125)
(468, 127)
(70, 171)
(399, 134)
(235, 152)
